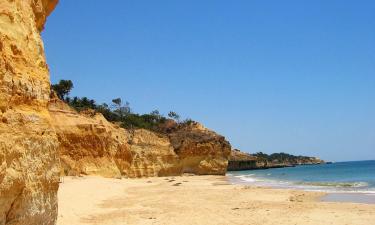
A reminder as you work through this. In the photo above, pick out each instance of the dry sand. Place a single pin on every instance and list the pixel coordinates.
(197, 200)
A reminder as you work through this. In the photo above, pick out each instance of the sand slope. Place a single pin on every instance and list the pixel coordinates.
(197, 200)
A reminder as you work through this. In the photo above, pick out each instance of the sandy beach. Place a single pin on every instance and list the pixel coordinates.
(197, 200)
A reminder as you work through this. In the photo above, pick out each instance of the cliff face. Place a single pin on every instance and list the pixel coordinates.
(93, 146)
(28, 157)
(244, 161)
(200, 150)
(88, 143)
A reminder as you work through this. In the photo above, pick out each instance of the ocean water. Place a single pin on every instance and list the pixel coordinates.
(342, 177)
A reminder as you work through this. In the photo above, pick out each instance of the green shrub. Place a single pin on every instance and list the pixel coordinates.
(118, 112)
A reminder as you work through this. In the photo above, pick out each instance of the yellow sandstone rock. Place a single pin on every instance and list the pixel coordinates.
(28, 144)
(90, 145)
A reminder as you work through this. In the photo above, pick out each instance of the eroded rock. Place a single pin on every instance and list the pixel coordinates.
(91, 145)
(28, 144)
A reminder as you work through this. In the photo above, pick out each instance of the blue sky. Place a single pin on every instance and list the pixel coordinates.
(272, 76)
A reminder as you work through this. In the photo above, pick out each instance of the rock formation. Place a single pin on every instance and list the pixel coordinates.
(200, 150)
(91, 145)
(36, 133)
(28, 144)
(88, 143)
(244, 161)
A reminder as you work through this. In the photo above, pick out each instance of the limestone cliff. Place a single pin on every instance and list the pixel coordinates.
(244, 161)
(28, 143)
(91, 145)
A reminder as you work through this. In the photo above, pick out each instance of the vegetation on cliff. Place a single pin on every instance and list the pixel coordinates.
(284, 158)
(244, 161)
(118, 111)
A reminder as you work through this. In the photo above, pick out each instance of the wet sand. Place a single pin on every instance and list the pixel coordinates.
(350, 197)
(197, 200)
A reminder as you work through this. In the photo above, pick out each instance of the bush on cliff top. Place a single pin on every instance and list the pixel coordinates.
(282, 158)
(118, 111)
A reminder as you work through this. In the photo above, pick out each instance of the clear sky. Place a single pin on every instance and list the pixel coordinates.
(272, 76)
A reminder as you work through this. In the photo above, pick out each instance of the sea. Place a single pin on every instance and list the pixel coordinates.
(343, 181)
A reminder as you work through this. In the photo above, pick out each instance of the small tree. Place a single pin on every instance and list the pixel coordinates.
(126, 108)
(117, 102)
(155, 112)
(174, 115)
(121, 110)
(155, 117)
(63, 88)
(188, 121)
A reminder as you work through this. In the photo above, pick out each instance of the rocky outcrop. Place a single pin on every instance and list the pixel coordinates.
(151, 154)
(244, 161)
(91, 145)
(88, 142)
(28, 144)
(200, 150)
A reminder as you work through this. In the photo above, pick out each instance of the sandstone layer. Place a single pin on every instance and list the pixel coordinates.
(28, 144)
(88, 144)
(200, 150)
(91, 145)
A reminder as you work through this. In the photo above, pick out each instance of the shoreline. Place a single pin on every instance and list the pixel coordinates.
(196, 200)
(267, 167)
(332, 195)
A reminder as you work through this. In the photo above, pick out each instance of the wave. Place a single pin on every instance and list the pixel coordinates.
(329, 187)
(336, 184)
(247, 178)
